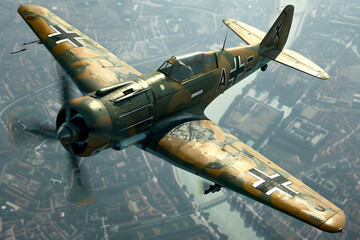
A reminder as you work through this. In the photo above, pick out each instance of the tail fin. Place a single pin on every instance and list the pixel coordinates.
(279, 32)
(273, 43)
(274, 39)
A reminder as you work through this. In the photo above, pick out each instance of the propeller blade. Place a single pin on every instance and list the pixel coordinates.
(17, 127)
(65, 91)
(80, 191)
(45, 132)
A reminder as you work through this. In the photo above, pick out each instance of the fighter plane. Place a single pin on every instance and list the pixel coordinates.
(162, 112)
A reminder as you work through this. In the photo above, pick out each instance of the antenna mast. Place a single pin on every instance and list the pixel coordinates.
(225, 39)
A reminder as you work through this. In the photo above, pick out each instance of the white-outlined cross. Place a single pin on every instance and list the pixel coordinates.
(269, 184)
(61, 35)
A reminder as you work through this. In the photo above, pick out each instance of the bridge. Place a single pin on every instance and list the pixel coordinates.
(215, 201)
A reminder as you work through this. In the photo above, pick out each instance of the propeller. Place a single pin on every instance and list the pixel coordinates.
(80, 192)
(68, 134)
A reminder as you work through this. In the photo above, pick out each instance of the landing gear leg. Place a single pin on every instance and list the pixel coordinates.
(263, 68)
(213, 188)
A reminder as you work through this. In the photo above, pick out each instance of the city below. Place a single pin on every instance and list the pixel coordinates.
(309, 127)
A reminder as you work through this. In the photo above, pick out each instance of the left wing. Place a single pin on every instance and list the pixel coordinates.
(89, 64)
(201, 147)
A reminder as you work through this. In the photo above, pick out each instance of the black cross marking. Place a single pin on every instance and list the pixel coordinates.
(269, 184)
(277, 29)
(249, 63)
(238, 69)
(61, 35)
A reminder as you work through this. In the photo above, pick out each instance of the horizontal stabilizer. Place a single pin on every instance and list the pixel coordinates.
(246, 32)
(297, 61)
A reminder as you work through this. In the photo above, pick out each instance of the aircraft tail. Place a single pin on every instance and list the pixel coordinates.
(272, 43)
(279, 32)
(272, 47)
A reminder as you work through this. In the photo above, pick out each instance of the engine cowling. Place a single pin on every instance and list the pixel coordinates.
(111, 117)
(88, 127)
(131, 111)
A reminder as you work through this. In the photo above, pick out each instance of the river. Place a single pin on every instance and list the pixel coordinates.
(230, 223)
(218, 107)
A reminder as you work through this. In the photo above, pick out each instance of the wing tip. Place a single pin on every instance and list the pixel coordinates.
(335, 223)
(324, 76)
(227, 20)
(26, 7)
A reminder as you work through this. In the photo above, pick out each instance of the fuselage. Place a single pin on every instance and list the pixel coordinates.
(129, 110)
(184, 84)
(227, 67)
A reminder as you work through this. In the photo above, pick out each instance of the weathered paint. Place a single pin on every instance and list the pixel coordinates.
(121, 104)
(90, 66)
(206, 149)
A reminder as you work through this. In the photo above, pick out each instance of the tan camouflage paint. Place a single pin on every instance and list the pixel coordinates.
(92, 66)
(218, 156)
(197, 146)
(287, 57)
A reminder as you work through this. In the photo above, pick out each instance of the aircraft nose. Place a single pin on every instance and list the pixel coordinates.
(335, 223)
(68, 133)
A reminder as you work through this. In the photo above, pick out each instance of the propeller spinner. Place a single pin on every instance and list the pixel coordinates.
(68, 132)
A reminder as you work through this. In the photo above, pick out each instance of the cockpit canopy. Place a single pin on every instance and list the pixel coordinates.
(187, 66)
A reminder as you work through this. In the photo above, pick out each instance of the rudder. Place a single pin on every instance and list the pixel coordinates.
(279, 32)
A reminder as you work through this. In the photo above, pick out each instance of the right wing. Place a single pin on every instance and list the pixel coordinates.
(203, 148)
(89, 64)
(246, 32)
